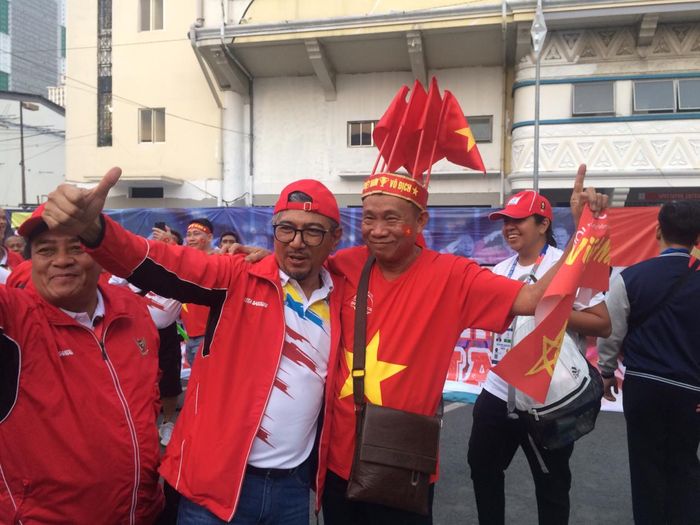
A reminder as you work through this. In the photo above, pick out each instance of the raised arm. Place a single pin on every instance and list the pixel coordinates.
(178, 272)
(526, 301)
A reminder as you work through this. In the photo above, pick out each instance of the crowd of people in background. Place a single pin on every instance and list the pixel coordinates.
(93, 324)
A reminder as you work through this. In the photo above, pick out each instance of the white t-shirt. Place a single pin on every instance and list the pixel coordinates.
(288, 429)
(585, 298)
(4, 274)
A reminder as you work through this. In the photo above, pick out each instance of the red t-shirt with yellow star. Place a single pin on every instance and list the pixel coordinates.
(413, 323)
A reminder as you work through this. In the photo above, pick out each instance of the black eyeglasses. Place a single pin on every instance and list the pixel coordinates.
(310, 236)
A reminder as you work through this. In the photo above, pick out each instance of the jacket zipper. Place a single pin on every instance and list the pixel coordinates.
(129, 421)
(267, 400)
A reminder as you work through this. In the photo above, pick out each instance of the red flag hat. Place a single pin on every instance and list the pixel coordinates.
(397, 185)
(524, 204)
(322, 200)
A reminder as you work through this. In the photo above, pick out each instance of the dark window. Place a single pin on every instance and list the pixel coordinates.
(689, 95)
(152, 125)
(5, 16)
(654, 96)
(4, 81)
(151, 15)
(104, 73)
(482, 127)
(593, 98)
(360, 133)
(63, 41)
(145, 193)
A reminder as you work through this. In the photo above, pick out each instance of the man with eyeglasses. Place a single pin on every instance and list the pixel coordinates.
(247, 440)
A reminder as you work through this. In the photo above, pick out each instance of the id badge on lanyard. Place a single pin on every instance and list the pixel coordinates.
(502, 343)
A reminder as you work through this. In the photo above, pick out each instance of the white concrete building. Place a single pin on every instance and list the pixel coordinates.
(38, 133)
(267, 91)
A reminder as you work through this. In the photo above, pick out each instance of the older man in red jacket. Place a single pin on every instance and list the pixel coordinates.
(78, 393)
(245, 444)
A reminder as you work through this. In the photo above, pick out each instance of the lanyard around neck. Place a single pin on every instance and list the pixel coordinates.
(535, 266)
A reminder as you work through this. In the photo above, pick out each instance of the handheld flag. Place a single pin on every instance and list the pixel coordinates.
(530, 364)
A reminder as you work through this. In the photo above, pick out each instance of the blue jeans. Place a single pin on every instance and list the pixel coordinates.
(263, 499)
(191, 347)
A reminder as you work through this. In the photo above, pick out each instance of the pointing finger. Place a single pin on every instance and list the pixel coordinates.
(580, 176)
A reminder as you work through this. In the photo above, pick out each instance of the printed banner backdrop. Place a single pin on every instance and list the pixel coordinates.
(459, 230)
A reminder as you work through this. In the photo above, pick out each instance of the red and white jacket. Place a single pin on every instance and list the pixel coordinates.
(78, 436)
(234, 374)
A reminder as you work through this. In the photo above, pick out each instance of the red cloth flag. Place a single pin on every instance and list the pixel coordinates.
(455, 137)
(530, 364)
(400, 151)
(421, 144)
(386, 129)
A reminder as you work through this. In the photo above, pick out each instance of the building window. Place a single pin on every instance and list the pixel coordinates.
(104, 73)
(360, 133)
(482, 127)
(654, 96)
(151, 15)
(152, 125)
(63, 41)
(136, 192)
(4, 81)
(5, 16)
(689, 95)
(593, 98)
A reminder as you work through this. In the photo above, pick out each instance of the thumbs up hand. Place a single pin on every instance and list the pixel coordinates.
(76, 211)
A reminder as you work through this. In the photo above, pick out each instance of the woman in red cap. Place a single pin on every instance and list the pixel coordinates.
(527, 228)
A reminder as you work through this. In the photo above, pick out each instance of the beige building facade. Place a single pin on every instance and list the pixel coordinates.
(226, 102)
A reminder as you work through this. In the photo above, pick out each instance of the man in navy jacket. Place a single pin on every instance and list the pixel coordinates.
(654, 307)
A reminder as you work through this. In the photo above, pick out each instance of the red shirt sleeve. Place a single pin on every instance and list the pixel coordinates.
(488, 298)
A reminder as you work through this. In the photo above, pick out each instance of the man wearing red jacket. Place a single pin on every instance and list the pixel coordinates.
(8, 258)
(243, 447)
(78, 393)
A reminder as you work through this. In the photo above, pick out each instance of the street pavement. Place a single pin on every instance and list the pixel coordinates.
(600, 492)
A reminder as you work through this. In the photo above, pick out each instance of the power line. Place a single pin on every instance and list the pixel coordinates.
(78, 48)
(33, 135)
(139, 104)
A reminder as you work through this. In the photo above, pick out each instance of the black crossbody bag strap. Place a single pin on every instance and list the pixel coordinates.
(360, 337)
(671, 291)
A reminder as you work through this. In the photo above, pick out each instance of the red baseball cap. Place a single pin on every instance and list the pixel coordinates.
(524, 204)
(322, 200)
(27, 228)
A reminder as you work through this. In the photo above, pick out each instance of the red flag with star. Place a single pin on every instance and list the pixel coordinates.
(529, 365)
(455, 137)
(424, 139)
(386, 129)
(400, 150)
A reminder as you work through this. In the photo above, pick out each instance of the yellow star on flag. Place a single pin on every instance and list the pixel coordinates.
(376, 371)
(467, 132)
(550, 354)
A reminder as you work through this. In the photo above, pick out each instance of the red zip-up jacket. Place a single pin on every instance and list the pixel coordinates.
(235, 371)
(78, 436)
